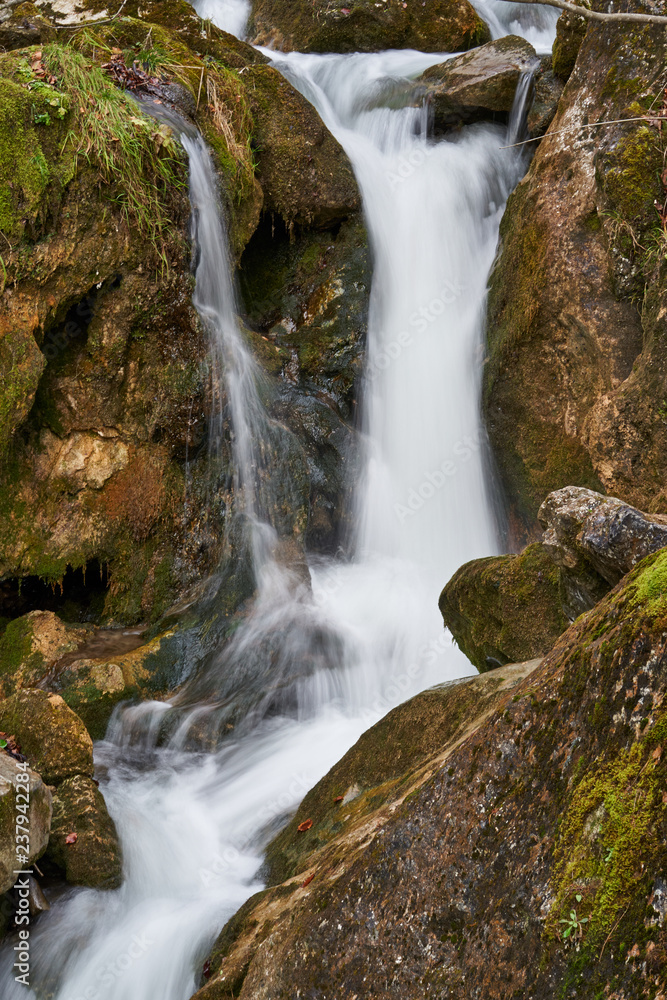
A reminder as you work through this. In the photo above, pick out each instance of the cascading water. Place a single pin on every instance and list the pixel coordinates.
(193, 825)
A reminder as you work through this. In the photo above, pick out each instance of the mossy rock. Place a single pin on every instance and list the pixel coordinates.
(553, 805)
(432, 26)
(32, 644)
(505, 609)
(93, 857)
(570, 32)
(52, 737)
(304, 172)
(572, 385)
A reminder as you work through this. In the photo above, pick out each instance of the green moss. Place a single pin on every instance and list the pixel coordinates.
(651, 587)
(633, 183)
(505, 607)
(608, 842)
(16, 647)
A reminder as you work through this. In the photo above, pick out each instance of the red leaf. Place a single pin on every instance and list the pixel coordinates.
(307, 881)
(207, 969)
(339, 798)
(306, 825)
(71, 838)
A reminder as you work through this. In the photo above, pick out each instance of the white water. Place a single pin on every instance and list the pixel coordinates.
(193, 826)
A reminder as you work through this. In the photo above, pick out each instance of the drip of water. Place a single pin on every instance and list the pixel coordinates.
(319, 659)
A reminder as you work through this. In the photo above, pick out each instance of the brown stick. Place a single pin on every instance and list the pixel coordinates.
(594, 15)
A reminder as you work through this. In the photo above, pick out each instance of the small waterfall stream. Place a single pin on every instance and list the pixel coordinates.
(363, 635)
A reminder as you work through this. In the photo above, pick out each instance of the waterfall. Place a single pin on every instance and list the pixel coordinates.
(357, 637)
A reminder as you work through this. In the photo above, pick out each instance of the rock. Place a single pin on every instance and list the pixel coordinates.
(24, 25)
(573, 383)
(505, 609)
(93, 687)
(51, 735)
(32, 644)
(553, 801)
(570, 32)
(39, 818)
(373, 773)
(595, 540)
(477, 84)
(94, 858)
(548, 91)
(304, 172)
(307, 293)
(432, 26)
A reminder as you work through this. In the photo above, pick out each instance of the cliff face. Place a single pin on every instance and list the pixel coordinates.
(573, 386)
(107, 486)
(527, 859)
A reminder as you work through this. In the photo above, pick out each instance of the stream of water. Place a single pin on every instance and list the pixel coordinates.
(362, 635)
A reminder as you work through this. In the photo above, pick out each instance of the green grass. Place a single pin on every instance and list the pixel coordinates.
(132, 151)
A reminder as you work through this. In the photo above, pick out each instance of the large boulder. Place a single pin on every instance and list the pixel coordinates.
(465, 886)
(366, 26)
(575, 371)
(477, 84)
(83, 841)
(38, 816)
(595, 540)
(505, 609)
(514, 607)
(51, 736)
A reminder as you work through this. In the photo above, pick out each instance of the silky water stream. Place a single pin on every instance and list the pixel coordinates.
(365, 633)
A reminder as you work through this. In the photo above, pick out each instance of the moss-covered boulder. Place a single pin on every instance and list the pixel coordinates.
(29, 792)
(573, 383)
(23, 24)
(505, 609)
(32, 644)
(83, 841)
(51, 736)
(365, 26)
(553, 804)
(478, 84)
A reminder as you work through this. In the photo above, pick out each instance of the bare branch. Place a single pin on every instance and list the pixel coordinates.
(594, 15)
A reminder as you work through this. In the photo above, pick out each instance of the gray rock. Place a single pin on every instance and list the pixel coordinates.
(595, 540)
(39, 818)
(478, 84)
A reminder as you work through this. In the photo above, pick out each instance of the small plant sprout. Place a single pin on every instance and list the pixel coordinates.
(574, 925)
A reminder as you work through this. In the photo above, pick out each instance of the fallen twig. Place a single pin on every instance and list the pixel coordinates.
(594, 15)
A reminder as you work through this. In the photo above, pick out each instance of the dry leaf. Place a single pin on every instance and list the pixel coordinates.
(71, 838)
(306, 825)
